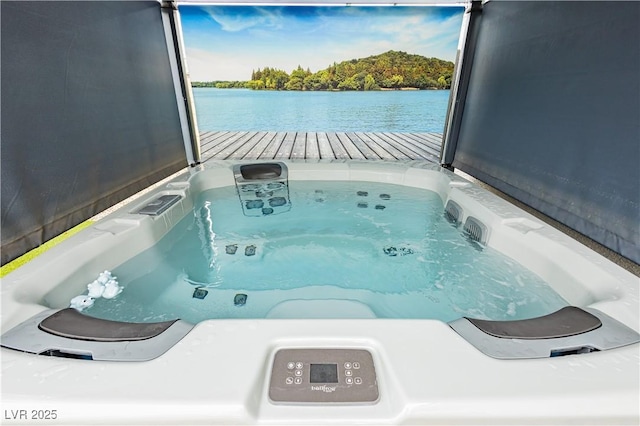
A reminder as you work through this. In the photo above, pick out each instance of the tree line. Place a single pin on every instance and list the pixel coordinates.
(387, 71)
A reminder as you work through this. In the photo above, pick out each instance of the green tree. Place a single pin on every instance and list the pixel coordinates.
(296, 81)
(370, 83)
(395, 82)
(280, 79)
(255, 85)
(314, 82)
(393, 70)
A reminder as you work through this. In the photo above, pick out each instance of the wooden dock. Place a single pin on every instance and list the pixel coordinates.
(262, 145)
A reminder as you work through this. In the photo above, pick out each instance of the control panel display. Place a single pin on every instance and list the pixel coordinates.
(342, 376)
(323, 373)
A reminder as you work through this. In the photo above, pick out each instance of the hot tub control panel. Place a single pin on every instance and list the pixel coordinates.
(323, 375)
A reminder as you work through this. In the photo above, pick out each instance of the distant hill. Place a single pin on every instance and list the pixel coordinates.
(387, 71)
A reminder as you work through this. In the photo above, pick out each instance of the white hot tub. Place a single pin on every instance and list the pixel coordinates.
(316, 350)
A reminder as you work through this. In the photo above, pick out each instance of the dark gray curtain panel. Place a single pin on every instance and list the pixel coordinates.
(552, 113)
(89, 113)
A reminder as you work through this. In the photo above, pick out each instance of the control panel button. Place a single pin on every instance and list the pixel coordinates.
(289, 380)
(291, 365)
(348, 373)
(347, 366)
(298, 380)
(298, 365)
(356, 365)
(298, 373)
(349, 380)
(357, 380)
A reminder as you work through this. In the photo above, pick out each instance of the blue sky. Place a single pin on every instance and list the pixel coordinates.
(228, 42)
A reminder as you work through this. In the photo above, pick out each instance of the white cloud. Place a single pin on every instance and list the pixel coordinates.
(421, 35)
(207, 66)
(263, 18)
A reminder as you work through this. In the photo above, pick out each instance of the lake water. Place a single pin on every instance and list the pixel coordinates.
(376, 111)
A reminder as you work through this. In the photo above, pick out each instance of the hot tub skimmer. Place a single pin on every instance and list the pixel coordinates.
(263, 188)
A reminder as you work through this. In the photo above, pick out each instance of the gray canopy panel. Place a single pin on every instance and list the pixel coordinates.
(552, 113)
(89, 113)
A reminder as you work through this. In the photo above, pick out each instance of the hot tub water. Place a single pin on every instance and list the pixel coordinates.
(342, 250)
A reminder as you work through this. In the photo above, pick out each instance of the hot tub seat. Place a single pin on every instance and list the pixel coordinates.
(570, 330)
(74, 325)
(568, 321)
(69, 333)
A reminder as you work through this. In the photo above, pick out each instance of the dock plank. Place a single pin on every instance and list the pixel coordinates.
(426, 142)
(350, 147)
(366, 151)
(230, 149)
(225, 141)
(418, 142)
(299, 150)
(384, 151)
(284, 152)
(242, 149)
(211, 139)
(271, 150)
(425, 139)
(338, 149)
(257, 150)
(422, 153)
(204, 136)
(263, 145)
(312, 149)
(398, 150)
(326, 152)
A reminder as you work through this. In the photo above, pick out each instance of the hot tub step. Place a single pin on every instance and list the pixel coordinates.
(321, 308)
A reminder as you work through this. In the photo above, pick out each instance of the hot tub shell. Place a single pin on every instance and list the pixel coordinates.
(218, 371)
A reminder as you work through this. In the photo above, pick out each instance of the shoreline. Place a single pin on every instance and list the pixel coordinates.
(382, 89)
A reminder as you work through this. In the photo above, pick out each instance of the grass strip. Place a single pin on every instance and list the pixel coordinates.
(32, 254)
